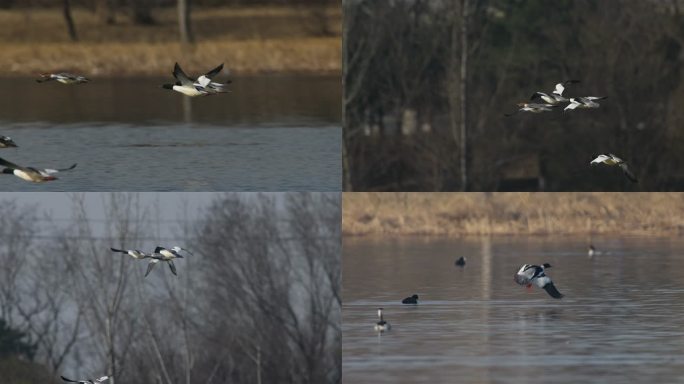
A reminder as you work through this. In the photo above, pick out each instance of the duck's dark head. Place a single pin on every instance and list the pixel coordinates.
(8, 171)
(415, 297)
(546, 265)
(167, 86)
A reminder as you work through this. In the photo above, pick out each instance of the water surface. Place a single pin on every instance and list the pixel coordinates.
(271, 133)
(620, 318)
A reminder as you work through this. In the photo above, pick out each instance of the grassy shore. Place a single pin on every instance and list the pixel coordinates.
(249, 41)
(457, 214)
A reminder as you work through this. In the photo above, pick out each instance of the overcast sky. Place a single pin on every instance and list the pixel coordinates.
(173, 206)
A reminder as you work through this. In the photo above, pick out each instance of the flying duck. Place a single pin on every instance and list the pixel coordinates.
(592, 250)
(212, 86)
(382, 325)
(31, 174)
(186, 85)
(134, 253)
(556, 96)
(460, 262)
(7, 142)
(410, 300)
(167, 255)
(532, 107)
(62, 77)
(533, 274)
(155, 258)
(610, 159)
(101, 379)
(584, 102)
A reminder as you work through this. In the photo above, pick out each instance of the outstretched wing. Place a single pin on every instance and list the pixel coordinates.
(151, 265)
(69, 380)
(11, 165)
(181, 76)
(50, 171)
(173, 267)
(205, 79)
(628, 172)
(552, 291)
(118, 250)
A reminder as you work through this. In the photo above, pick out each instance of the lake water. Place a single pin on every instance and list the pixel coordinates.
(271, 133)
(620, 319)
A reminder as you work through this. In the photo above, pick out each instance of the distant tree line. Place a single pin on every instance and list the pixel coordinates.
(424, 113)
(258, 301)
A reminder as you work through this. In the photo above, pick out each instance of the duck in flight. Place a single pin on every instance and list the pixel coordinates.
(7, 142)
(410, 300)
(532, 107)
(610, 159)
(166, 255)
(555, 97)
(134, 253)
(90, 381)
(382, 325)
(31, 174)
(213, 86)
(62, 77)
(529, 275)
(588, 102)
(203, 86)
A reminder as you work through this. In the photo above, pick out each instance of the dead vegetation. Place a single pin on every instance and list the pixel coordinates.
(512, 213)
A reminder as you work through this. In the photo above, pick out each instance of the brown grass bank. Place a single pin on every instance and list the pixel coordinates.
(512, 213)
(249, 40)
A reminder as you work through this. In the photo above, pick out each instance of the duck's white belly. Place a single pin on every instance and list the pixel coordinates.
(192, 92)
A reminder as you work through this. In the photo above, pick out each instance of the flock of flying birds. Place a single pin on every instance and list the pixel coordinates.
(160, 254)
(528, 275)
(555, 99)
(202, 86)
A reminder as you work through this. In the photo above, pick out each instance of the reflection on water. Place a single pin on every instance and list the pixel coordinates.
(271, 133)
(259, 100)
(620, 318)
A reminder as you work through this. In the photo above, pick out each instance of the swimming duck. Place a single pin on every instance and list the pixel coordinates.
(556, 96)
(382, 325)
(63, 77)
(532, 107)
(134, 253)
(610, 159)
(410, 300)
(584, 102)
(7, 142)
(31, 174)
(101, 379)
(529, 274)
(460, 262)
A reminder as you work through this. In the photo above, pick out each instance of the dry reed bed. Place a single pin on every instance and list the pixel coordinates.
(456, 214)
(248, 40)
(241, 57)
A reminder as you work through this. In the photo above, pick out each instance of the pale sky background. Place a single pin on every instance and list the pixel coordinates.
(173, 206)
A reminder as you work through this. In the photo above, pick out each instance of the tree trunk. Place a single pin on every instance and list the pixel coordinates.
(69, 21)
(463, 94)
(184, 22)
(346, 177)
